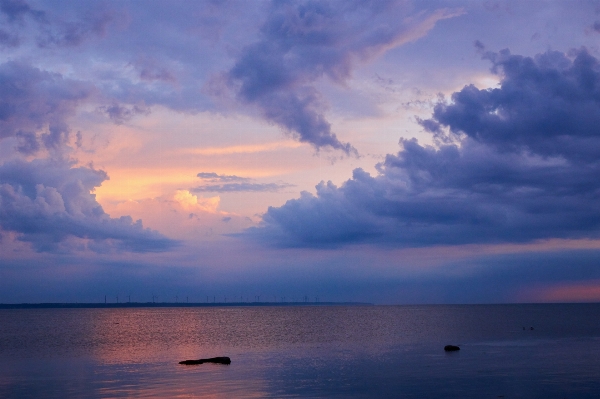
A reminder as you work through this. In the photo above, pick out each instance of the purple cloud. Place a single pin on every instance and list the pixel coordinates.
(120, 114)
(35, 104)
(48, 202)
(8, 39)
(547, 105)
(16, 10)
(513, 164)
(51, 30)
(301, 42)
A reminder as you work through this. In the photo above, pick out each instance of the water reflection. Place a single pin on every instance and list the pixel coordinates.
(302, 352)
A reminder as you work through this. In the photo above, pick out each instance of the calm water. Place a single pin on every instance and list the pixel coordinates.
(306, 352)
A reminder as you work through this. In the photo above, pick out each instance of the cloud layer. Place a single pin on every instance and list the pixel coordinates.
(277, 69)
(512, 164)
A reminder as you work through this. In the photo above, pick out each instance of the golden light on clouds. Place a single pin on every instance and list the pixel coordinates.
(191, 202)
(127, 184)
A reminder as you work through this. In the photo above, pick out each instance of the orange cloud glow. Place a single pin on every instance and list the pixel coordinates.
(247, 148)
(585, 291)
(191, 202)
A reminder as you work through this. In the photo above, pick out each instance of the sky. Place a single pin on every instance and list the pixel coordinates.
(393, 152)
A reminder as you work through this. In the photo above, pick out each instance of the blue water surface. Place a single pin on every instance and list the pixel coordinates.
(303, 352)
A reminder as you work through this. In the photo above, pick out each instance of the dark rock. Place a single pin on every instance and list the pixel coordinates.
(218, 360)
(451, 348)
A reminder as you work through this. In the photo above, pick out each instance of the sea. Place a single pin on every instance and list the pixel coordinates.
(506, 351)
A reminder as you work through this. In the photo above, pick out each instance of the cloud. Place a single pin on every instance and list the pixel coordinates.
(232, 183)
(73, 33)
(49, 202)
(151, 70)
(8, 40)
(595, 26)
(135, 55)
(28, 143)
(213, 177)
(512, 164)
(231, 187)
(16, 10)
(35, 104)
(120, 114)
(191, 202)
(301, 42)
(104, 41)
(50, 30)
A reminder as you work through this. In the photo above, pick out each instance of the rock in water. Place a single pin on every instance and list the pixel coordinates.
(218, 360)
(451, 348)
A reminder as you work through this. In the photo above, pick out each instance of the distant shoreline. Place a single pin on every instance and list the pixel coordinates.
(169, 305)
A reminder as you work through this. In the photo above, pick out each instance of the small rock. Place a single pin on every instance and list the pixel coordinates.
(218, 360)
(451, 348)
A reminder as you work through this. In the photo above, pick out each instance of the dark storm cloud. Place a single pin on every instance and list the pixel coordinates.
(548, 105)
(35, 101)
(303, 41)
(512, 164)
(48, 202)
(232, 183)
